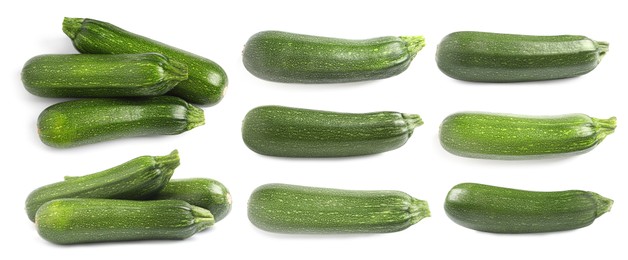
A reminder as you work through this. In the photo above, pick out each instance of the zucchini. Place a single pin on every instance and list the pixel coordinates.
(289, 57)
(74, 221)
(297, 132)
(140, 178)
(96, 75)
(85, 121)
(508, 136)
(496, 57)
(284, 208)
(203, 192)
(206, 82)
(504, 210)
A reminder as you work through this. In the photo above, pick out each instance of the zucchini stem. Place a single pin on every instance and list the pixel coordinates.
(419, 209)
(412, 120)
(203, 218)
(195, 117)
(602, 48)
(604, 127)
(414, 44)
(169, 161)
(175, 70)
(603, 204)
(71, 26)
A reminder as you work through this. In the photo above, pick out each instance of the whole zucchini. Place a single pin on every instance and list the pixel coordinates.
(86, 121)
(284, 208)
(96, 75)
(297, 132)
(206, 82)
(496, 57)
(289, 57)
(203, 192)
(504, 210)
(507, 136)
(139, 178)
(73, 221)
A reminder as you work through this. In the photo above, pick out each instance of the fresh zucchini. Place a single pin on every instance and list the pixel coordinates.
(73, 221)
(206, 82)
(203, 192)
(504, 210)
(85, 121)
(496, 57)
(508, 136)
(297, 132)
(96, 75)
(284, 208)
(289, 57)
(140, 178)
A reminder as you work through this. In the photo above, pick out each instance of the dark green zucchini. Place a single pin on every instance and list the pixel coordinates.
(297, 132)
(140, 178)
(496, 57)
(289, 57)
(284, 208)
(504, 210)
(206, 82)
(86, 121)
(96, 75)
(203, 192)
(507, 136)
(74, 221)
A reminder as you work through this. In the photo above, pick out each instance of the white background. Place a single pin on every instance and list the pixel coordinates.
(219, 29)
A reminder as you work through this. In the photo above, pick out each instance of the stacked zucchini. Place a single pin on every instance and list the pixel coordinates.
(136, 200)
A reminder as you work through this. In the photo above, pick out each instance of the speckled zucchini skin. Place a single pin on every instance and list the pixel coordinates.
(496, 57)
(74, 221)
(508, 136)
(297, 58)
(504, 210)
(86, 121)
(206, 83)
(284, 208)
(207, 193)
(297, 132)
(95, 75)
(139, 178)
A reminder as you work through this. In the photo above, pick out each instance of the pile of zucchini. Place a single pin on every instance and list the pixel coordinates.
(130, 85)
(136, 200)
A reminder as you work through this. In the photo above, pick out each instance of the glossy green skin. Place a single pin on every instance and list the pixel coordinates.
(74, 221)
(87, 121)
(504, 210)
(139, 178)
(297, 132)
(203, 192)
(495, 57)
(206, 82)
(97, 75)
(507, 136)
(284, 208)
(289, 57)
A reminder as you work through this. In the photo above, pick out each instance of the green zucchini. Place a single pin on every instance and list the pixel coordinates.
(96, 75)
(284, 208)
(206, 82)
(140, 178)
(297, 132)
(504, 210)
(289, 57)
(74, 221)
(508, 136)
(203, 192)
(496, 57)
(85, 121)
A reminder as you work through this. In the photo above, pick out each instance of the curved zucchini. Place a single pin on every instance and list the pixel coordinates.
(507, 136)
(95, 75)
(289, 57)
(203, 192)
(86, 121)
(73, 221)
(284, 208)
(206, 82)
(496, 57)
(139, 178)
(297, 132)
(504, 210)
